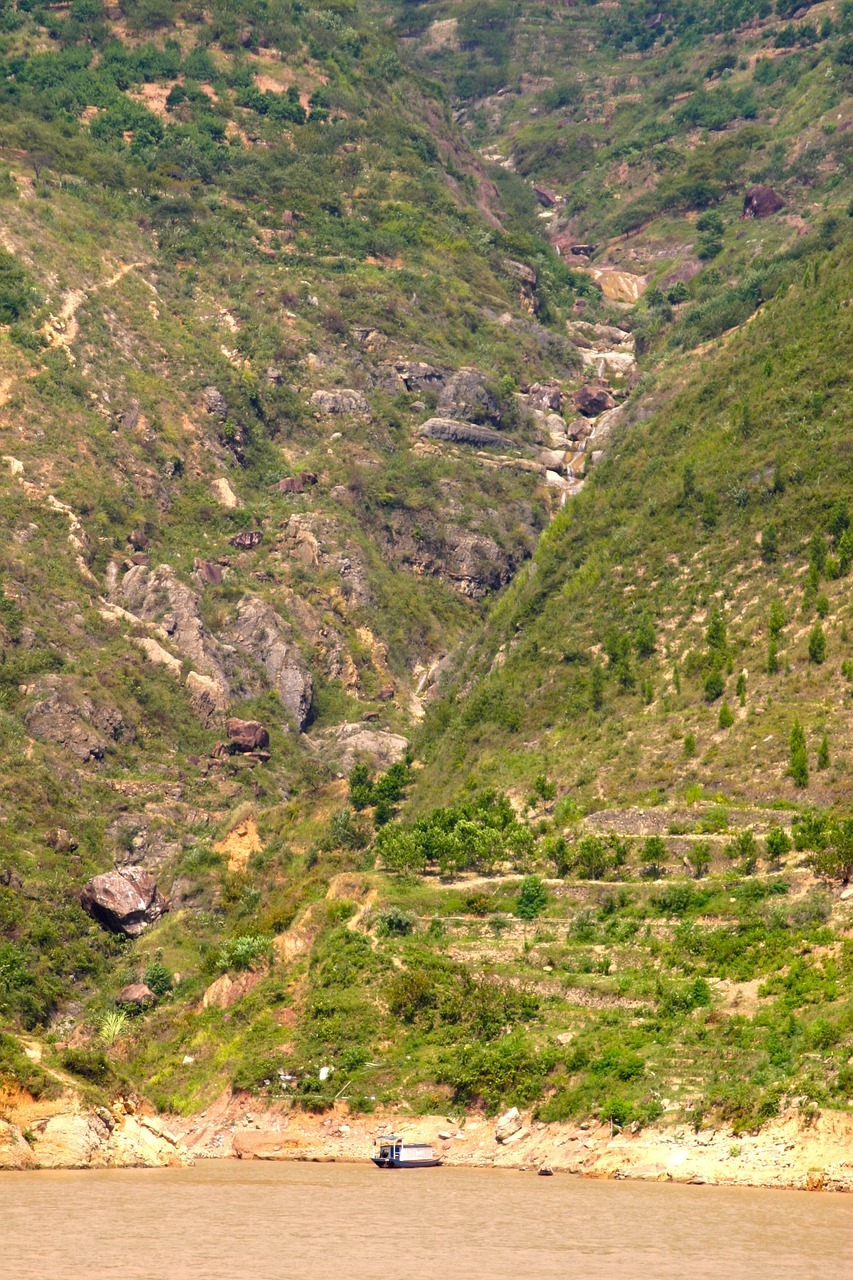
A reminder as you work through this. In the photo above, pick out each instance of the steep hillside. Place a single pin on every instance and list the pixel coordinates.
(425, 593)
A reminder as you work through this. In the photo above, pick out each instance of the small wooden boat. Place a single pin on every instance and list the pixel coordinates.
(394, 1153)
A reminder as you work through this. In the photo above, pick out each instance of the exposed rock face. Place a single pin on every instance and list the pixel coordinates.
(207, 572)
(96, 1140)
(157, 595)
(412, 375)
(215, 403)
(457, 432)
(262, 634)
(15, 1153)
(136, 995)
(60, 840)
(508, 1124)
(226, 990)
(357, 742)
(467, 396)
(247, 540)
(343, 401)
(225, 495)
(125, 901)
(72, 720)
(761, 202)
(590, 401)
(546, 396)
(247, 735)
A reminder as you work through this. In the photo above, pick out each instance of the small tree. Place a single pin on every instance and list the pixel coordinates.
(591, 858)
(772, 657)
(532, 898)
(689, 745)
(699, 858)
(740, 688)
(769, 543)
(653, 857)
(823, 753)
(645, 638)
(798, 766)
(596, 686)
(817, 644)
(726, 717)
(777, 843)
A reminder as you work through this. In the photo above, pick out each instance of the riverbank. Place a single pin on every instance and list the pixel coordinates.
(793, 1151)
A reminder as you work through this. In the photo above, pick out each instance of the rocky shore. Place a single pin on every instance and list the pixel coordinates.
(65, 1134)
(793, 1151)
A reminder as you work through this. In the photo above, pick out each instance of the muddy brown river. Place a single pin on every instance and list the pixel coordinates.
(259, 1221)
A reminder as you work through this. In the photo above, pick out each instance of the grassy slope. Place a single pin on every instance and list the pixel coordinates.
(394, 237)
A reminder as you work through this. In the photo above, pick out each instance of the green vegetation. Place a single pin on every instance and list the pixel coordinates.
(605, 878)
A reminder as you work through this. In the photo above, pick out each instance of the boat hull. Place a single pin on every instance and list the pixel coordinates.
(391, 1163)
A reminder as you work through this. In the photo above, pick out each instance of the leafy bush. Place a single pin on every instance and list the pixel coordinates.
(393, 921)
(246, 951)
(532, 898)
(158, 978)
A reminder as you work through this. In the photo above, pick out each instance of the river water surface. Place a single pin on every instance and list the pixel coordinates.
(293, 1221)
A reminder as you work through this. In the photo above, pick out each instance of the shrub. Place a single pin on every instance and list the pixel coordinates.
(91, 1064)
(798, 766)
(653, 857)
(714, 685)
(689, 745)
(699, 858)
(591, 858)
(111, 1027)
(726, 718)
(817, 644)
(158, 978)
(246, 951)
(532, 898)
(777, 842)
(394, 922)
(823, 753)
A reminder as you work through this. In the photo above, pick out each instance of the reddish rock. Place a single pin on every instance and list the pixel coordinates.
(138, 540)
(591, 401)
(386, 693)
(246, 540)
(136, 995)
(290, 484)
(139, 557)
(208, 572)
(247, 735)
(124, 901)
(761, 202)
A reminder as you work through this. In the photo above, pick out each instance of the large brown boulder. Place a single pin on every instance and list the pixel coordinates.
(761, 202)
(591, 401)
(124, 901)
(246, 735)
(136, 995)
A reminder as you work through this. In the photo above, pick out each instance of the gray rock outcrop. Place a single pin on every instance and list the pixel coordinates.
(125, 901)
(456, 432)
(357, 742)
(344, 400)
(158, 595)
(70, 719)
(468, 396)
(262, 634)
